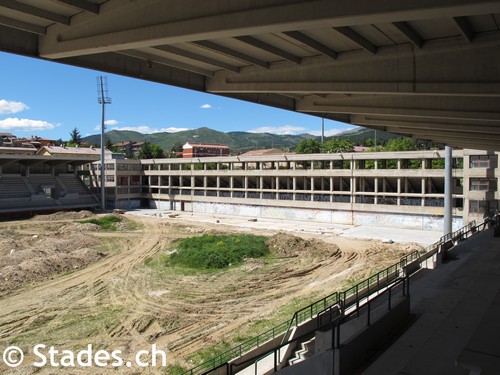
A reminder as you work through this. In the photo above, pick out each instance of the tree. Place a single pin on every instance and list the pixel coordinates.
(336, 144)
(401, 144)
(176, 147)
(109, 145)
(150, 151)
(145, 151)
(75, 137)
(308, 146)
(156, 152)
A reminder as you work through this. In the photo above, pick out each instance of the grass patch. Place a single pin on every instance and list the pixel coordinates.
(254, 328)
(71, 326)
(217, 251)
(175, 369)
(107, 223)
(210, 352)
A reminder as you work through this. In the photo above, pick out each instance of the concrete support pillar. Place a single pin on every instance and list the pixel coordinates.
(423, 189)
(399, 190)
(448, 178)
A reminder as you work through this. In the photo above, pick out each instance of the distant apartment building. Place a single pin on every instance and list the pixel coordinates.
(398, 189)
(203, 150)
(129, 148)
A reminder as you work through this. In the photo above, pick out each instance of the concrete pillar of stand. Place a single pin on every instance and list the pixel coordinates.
(448, 186)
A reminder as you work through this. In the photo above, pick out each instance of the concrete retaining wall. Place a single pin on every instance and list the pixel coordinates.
(128, 204)
(408, 221)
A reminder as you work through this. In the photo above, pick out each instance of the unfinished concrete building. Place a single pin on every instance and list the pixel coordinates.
(401, 189)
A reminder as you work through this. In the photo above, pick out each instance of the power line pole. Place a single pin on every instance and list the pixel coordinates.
(103, 99)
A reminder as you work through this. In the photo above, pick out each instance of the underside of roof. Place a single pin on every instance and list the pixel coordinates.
(428, 69)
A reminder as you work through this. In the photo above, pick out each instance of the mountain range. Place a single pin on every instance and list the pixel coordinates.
(237, 141)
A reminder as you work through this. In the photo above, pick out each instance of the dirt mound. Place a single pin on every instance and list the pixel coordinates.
(29, 258)
(65, 215)
(79, 227)
(286, 245)
(44, 265)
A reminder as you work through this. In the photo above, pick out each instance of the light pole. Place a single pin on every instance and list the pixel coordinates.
(103, 99)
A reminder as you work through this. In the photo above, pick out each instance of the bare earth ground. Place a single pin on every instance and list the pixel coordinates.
(68, 284)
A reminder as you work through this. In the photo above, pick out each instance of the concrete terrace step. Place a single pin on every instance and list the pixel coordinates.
(306, 351)
(448, 311)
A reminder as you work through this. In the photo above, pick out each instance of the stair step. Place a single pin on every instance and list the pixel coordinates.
(306, 351)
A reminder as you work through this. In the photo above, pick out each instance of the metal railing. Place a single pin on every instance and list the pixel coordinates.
(334, 319)
(347, 299)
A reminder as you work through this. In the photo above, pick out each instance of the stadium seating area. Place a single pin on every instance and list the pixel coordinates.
(44, 192)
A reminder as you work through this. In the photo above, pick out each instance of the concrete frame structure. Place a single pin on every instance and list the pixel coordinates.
(422, 68)
(403, 189)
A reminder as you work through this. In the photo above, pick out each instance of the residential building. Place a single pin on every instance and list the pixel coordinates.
(203, 150)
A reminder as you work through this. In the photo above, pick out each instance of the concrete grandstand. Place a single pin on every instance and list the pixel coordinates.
(32, 184)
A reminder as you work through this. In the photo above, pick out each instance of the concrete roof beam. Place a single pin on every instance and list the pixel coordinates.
(134, 25)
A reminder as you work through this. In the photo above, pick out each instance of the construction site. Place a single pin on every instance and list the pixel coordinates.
(379, 263)
(69, 283)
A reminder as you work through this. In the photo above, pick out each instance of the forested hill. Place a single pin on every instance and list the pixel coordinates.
(237, 141)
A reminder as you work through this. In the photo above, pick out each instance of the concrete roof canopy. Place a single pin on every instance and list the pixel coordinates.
(422, 68)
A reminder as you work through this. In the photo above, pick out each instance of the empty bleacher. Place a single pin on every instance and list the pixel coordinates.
(13, 187)
(44, 192)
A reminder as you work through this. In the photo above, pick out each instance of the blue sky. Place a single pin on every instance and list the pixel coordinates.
(50, 99)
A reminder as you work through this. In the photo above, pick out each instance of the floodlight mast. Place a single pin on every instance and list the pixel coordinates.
(103, 99)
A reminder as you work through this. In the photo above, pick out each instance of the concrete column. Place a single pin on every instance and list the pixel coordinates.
(423, 189)
(447, 228)
(399, 190)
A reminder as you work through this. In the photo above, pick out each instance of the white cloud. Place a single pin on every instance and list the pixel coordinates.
(7, 107)
(281, 130)
(206, 106)
(144, 129)
(111, 122)
(328, 133)
(22, 124)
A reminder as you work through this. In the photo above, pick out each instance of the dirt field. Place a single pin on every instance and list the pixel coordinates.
(68, 284)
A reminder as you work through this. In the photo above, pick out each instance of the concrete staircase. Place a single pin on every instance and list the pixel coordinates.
(306, 351)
